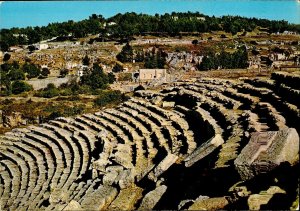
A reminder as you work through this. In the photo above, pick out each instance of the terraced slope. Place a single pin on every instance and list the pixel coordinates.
(158, 150)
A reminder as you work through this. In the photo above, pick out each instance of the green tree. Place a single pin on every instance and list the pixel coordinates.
(95, 78)
(49, 92)
(86, 60)
(16, 74)
(111, 78)
(107, 97)
(126, 54)
(32, 70)
(45, 71)
(20, 86)
(117, 68)
(6, 57)
(5, 81)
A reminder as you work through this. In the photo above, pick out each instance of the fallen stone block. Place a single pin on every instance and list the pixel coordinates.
(204, 150)
(73, 206)
(99, 199)
(127, 199)
(59, 196)
(167, 104)
(267, 150)
(151, 198)
(256, 200)
(209, 204)
(164, 165)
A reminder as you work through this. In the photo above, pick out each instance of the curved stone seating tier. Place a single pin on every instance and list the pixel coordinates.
(170, 133)
(282, 97)
(128, 129)
(247, 100)
(37, 176)
(54, 155)
(156, 139)
(273, 117)
(216, 95)
(141, 140)
(95, 161)
(45, 136)
(10, 182)
(139, 113)
(72, 159)
(140, 129)
(26, 183)
(83, 145)
(231, 147)
(275, 120)
(224, 117)
(148, 93)
(178, 123)
(45, 174)
(6, 190)
(291, 80)
(109, 126)
(49, 165)
(289, 94)
(262, 83)
(251, 90)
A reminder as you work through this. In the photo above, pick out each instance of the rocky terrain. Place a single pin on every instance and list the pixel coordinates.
(204, 144)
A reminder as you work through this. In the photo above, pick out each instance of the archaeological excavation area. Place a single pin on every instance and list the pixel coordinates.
(200, 144)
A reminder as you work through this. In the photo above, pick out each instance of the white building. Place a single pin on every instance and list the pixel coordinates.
(145, 75)
(40, 46)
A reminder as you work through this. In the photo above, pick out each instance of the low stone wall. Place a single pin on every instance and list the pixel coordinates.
(42, 83)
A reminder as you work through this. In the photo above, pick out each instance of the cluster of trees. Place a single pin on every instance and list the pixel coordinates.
(129, 24)
(13, 74)
(96, 78)
(30, 35)
(126, 54)
(92, 82)
(109, 96)
(153, 59)
(238, 59)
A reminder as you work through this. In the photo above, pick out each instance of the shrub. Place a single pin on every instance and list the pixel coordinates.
(16, 74)
(107, 97)
(117, 68)
(96, 78)
(124, 77)
(63, 73)
(45, 71)
(49, 92)
(32, 70)
(20, 86)
(6, 57)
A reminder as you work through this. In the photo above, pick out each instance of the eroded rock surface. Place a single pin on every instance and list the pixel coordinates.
(266, 150)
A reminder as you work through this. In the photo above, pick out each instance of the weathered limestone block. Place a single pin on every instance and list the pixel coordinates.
(167, 104)
(125, 179)
(12, 120)
(266, 150)
(157, 100)
(112, 174)
(1, 117)
(151, 198)
(256, 200)
(209, 204)
(73, 206)
(204, 150)
(59, 196)
(164, 165)
(99, 199)
(127, 199)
